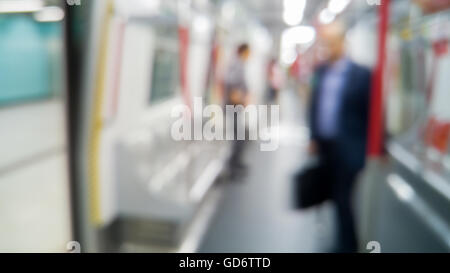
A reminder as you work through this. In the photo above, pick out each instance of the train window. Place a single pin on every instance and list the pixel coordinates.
(165, 72)
(165, 75)
(30, 58)
(406, 93)
(418, 115)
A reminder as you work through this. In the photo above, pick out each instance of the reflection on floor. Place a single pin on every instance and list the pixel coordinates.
(255, 214)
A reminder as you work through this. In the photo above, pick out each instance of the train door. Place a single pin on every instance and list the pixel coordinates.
(141, 186)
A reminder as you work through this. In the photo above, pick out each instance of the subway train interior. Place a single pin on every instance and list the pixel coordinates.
(112, 114)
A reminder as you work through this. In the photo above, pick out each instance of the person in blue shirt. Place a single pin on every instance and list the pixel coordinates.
(338, 120)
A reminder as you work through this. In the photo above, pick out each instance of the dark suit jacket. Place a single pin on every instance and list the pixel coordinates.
(353, 116)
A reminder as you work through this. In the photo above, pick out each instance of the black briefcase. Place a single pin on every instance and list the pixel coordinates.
(312, 186)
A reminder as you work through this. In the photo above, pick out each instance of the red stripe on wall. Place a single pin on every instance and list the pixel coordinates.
(183, 33)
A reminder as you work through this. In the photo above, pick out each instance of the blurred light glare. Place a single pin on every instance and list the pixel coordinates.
(49, 14)
(228, 11)
(20, 6)
(201, 24)
(337, 6)
(402, 189)
(298, 35)
(293, 11)
(326, 16)
(262, 40)
(288, 56)
(152, 5)
(139, 7)
(291, 37)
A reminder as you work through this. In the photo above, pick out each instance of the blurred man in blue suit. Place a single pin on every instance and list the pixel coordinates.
(338, 123)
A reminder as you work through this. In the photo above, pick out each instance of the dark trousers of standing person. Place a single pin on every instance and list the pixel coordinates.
(271, 94)
(236, 161)
(342, 183)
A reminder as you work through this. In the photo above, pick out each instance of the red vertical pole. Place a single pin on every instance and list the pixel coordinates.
(376, 125)
(183, 33)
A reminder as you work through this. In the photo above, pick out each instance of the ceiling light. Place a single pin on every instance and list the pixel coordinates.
(298, 35)
(337, 6)
(293, 11)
